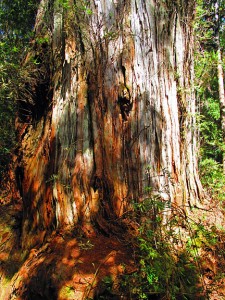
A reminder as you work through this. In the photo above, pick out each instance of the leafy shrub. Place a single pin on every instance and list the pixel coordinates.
(15, 33)
(212, 178)
(164, 271)
(7, 113)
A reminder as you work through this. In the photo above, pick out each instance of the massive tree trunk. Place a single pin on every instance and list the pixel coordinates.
(113, 116)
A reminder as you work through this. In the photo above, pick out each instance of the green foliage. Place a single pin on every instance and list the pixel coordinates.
(83, 7)
(7, 111)
(16, 22)
(67, 292)
(212, 178)
(200, 238)
(64, 3)
(107, 287)
(209, 31)
(210, 128)
(209, 23)
(164, 271)
(85, 245)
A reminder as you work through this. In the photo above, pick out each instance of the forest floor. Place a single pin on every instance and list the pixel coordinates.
(69, 266)
(211, 242)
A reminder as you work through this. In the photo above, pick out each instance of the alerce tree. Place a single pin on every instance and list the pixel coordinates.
(111, 116)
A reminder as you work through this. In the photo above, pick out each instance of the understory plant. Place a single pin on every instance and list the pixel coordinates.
(213, 179)
(167, 263)
(16, 30)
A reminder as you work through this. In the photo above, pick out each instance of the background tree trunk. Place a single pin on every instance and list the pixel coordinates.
(114, 115)
(220, 74)
(222, 99)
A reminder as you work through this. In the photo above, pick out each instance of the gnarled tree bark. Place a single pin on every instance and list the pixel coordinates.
(115, 115)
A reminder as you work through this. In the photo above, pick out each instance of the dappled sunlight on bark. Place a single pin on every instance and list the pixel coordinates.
(116, 127)
(118, 121)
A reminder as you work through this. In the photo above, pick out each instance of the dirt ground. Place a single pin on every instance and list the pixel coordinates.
(71, 266)
(67, 266)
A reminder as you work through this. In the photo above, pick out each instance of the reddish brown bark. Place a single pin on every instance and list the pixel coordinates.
(118, 116)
